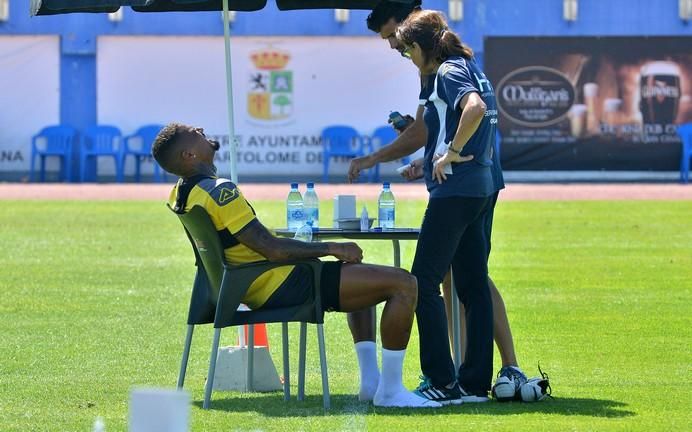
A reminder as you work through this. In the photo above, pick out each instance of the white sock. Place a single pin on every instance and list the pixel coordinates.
(392, 366)
(369, 373)
(391, 391)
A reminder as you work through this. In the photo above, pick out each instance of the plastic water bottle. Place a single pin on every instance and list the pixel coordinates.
(99, 425)
(294, 208)
(311, 206)
(364, 221)
(387, 207)
(304, 233)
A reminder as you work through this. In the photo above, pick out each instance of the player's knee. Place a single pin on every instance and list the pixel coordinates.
(407, 287)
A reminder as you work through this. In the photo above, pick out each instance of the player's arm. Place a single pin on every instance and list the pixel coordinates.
(258, 238)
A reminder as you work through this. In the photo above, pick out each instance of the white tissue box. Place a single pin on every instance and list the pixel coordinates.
(344, 207)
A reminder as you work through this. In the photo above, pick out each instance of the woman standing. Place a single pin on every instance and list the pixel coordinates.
(461, 117)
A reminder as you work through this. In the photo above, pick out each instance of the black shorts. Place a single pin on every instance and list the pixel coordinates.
(296, 289)
(488, 228)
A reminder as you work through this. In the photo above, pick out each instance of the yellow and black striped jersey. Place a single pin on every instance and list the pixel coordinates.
(231, 213)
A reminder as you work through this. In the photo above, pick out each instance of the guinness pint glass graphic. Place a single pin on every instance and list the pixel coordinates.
(660, 92)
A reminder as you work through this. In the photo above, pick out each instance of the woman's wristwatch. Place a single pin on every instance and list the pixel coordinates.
(452, 149)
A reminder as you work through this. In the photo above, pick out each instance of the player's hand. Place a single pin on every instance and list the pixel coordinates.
(444, 160)
(414, 170)
(357, 165)
(347, 252)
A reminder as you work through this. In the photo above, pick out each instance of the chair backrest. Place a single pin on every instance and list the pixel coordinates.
(382, 136)
(206, 244)
(205, 293)
(341, 140)
(146, 134)
(57, 138)
(685, 132)
(103, 139)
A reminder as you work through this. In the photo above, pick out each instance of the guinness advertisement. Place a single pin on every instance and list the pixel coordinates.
(591, 103)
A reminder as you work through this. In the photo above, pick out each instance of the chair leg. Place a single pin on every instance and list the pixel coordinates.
(43, 168)
(301, 360)
(249, 381)
(138, 169)
(82, 168)
(323, 367)
(119, 169)
(287, 368)
(68, 167)
(212, 368)
(186, 355)
(31, 167)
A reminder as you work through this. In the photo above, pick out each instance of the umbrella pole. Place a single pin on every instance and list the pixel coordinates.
(229, 94)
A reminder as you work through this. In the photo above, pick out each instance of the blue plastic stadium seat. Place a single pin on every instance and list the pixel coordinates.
(139, 146)
(339, 141)
(100, 141)
(382, 136)
(685, 132)
(53, 141)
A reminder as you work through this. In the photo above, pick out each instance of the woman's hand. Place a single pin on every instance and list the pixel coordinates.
(446, 159)
(414, 171)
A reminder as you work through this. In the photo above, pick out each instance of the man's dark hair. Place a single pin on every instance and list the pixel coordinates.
(164, 147)
(388, 9)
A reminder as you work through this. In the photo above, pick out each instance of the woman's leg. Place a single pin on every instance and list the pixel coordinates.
(470, 271)
(445, 221)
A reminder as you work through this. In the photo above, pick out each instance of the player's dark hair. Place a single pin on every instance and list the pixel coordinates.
(430, 30)
(388, 9)
(165, 145)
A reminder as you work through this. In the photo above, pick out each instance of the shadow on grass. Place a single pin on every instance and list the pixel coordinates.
(273, 405)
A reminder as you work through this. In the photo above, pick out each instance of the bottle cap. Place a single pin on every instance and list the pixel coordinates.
(311, 185)
(385, 185)
(294, 185)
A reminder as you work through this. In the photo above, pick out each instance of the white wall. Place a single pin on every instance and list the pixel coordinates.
(336, 80)
(29, 96)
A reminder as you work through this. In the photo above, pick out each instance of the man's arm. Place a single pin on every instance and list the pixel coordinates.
(258, 238)
(410, 140)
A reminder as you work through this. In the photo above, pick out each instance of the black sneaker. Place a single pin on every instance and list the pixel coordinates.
(441, 395)
(509, 381)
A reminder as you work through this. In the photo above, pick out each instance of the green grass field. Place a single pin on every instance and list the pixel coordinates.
(95, 295)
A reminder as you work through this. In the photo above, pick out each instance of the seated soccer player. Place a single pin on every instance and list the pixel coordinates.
(347, 284)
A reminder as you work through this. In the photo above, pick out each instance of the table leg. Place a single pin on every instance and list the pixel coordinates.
(456, 337)
(397, 253)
